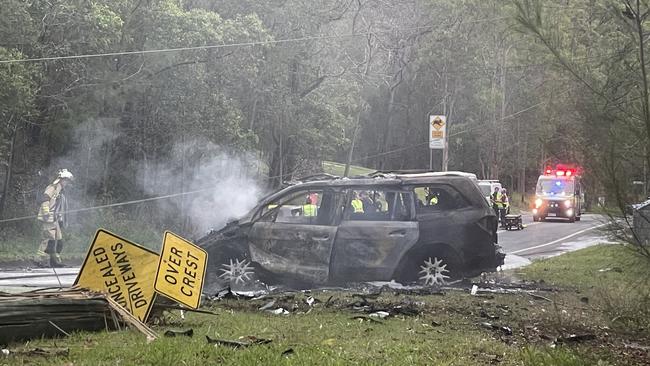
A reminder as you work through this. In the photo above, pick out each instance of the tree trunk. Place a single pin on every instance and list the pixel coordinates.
(9, 169)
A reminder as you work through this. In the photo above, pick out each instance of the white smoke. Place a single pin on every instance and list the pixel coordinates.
(226, 184)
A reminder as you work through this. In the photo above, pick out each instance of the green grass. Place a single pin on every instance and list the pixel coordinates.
(334, 168)
(598, 266)
(447, 330)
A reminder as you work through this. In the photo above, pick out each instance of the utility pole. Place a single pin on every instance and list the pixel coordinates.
(366, 70)
(445, 150)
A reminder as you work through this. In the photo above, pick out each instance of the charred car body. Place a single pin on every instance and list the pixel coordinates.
(408, 227)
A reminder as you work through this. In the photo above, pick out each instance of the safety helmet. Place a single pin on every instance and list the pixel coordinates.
(65, 173)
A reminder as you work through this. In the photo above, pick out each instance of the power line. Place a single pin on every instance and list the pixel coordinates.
(232, 45)
(132, 202)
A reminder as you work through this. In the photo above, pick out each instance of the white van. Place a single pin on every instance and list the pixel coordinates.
(487, 188)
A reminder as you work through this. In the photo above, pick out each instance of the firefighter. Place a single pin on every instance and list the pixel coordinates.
(309, 209)
(52, 215)
(369, 206)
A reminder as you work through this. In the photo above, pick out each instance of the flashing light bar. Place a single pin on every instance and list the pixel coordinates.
(560, 171)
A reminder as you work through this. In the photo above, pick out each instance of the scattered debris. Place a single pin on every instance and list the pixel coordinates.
(366, 318)
(574, 338)
(379, 314)
(608, 269)
(584, 300)
(484, 314)
(40, 314)
(42, 352)
(288, 352)
(278, 311)
(268, 305)
(251, 341)
(503, 329)
(435, 323)
(132, 320)
(174, 333)
(474, 290)
(311, 301)
(539, 297)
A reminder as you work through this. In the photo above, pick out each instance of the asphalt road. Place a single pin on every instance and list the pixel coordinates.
(538, 239)
(550, 238)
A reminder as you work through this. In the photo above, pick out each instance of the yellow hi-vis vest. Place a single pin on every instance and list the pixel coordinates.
(498, 201)
(309, 209)
(357, 205)
(433, 201)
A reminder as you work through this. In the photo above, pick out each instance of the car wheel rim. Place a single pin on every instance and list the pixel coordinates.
(237, 271)
(433, 272)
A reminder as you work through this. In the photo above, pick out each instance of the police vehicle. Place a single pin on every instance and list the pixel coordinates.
(558, 193)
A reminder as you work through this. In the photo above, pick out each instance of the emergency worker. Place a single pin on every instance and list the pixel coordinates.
(495, 198)
(505, 200)
(368, 205)
(52, 215)
(309, 209)
(357, 204)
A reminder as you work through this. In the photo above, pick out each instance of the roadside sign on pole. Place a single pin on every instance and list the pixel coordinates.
(437, 131)
(181, 270)
(121, 269)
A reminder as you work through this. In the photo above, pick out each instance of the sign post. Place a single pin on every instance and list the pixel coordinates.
(437, 135)
(181, 270)
(121, 269)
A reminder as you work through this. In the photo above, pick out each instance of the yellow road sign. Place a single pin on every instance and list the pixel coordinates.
(123, 270)
(181, 270)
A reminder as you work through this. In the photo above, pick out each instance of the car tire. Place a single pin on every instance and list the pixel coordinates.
(577, 218)
(535, 218)
(435, 268)
(229, 268)
(572, 219)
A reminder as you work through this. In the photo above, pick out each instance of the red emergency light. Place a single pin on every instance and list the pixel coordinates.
(560, 171)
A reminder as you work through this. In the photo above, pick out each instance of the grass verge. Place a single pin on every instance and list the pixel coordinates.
(447, 329)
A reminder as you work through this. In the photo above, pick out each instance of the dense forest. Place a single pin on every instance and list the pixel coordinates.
(223, 100)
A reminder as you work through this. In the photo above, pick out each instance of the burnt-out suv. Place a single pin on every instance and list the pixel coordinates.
(425, 228)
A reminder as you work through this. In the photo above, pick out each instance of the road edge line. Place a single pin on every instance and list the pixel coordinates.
(558, 240)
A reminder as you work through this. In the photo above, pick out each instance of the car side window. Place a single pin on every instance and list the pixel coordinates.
(438, 197)
(308, 207)
(377, 205)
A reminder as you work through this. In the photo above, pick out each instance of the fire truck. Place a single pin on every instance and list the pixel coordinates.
(558, 193)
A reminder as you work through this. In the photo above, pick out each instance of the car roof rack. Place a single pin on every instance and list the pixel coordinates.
(310, 178)
(387, 173)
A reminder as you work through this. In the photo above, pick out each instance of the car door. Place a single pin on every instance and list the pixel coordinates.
(288, 243)
(369, 245)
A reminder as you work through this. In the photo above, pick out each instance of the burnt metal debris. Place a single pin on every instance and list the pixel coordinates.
(245, 342)
(329, 230)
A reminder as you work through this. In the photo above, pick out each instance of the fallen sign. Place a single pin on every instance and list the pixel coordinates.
(121, 269)
(181, 270)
